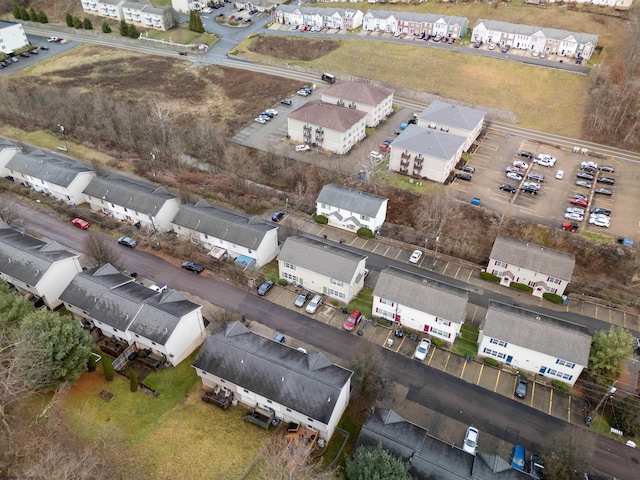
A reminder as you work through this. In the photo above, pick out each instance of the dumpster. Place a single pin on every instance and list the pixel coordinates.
(475, 201)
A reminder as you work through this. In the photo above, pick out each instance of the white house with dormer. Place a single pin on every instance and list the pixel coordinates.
(416, 24)
(558, 350)
(420, 303)
(455, 119)
(335, 18)
(351, 209)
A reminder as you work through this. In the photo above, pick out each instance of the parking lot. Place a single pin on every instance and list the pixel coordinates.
(52, 48)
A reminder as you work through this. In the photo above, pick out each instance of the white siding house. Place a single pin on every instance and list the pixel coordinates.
(146, 15)
(541, 268)
(110, 9)
(90, 6)
(455, 119)
(35, 267)
(185, 6)
(133, 201)
(426, 153)
(414, 23)
(351, 209)
(331, 127)
(12, 37)
(60, 177)
(336, 18)
(297, 387)
(558, 350)
(420, 303)
(8, 150)
(251, 239)
(374, 100)
(166, 324)
(322, 268)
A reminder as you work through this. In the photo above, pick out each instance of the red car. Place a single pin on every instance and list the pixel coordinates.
(352, 321)
(384, 147)
(80, 223)
(580, 202)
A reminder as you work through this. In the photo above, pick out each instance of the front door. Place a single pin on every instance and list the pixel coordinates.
(543, 370)
(509, 358)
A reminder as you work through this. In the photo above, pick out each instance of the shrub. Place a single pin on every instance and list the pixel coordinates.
(552, 297)
(438, 343)
(133, 380)
(106, 28)
(560, 385)
(77, 23)
(42, 17)
(283, 282)
(86, 23)
(321, 219)
(132, 31)
(69, 19)
(365, 232)
(91, 364)
(490, 277)
(107, 369)
(490, 361)
(521, 286)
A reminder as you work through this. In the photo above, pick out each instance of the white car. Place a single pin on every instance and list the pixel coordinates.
(575, 210)
(470, 441)
(560, 174)
(53, 39)
(397, 34)
(313, 305)
(588, 164)
(376, 155)
(514, 176)
(578, 217)
(600, 221)
(303, 93)
(302, 148)
(415, 256)
(260, 120)
(521, 165)
(271, 111)
(492, 46)
(423, 349)
(545, 160)
(206, 10)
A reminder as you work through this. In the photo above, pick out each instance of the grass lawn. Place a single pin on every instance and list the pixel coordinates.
(467, 344)
(175, 435)
(597, 237)
(183, 35)
(270, 271)
(405, 183)
(363, 302)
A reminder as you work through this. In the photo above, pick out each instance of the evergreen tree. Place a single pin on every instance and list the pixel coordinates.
(133, 31)
(107, 369)
(33, 15)
(16, 11)
(69, 19)
(77, 23)
(195, 25)
(133, 380)
(42, 17)
(191, 17)
(105, 27)
(86, 23)
(24, 15)
(124, 28)
(376, 462)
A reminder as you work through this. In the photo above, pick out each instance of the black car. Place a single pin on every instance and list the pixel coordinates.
(388, 141)
(464, 176)
(536, 176)
(286, 101)
(607, 180)
(24, 55)
(182, 52)
(265, 287)
(525, 154)
(604, 191)
(521, 387)
(585, 176)
(508, 188)
(127, 242)
(607, 168)
(192, 267)
(277, 216)
(529, 189)
(505, 49)
(44, 47)
(468, 169)
(601, 211)
(34, 52)
(477, 44)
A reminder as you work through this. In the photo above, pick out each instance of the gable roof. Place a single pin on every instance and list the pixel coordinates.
(307, 383)
(228, 225)
(530, 30)
(327, 115)
(422, 293)
(416, 17)
(48, 167)
(429, 142)
(352, 200)
(554, 337)
(126, 192)
(430, 457)
(27, 258)
(324, 259)
(455, 116)
(321, 12)
(353, 91)
(533, 257)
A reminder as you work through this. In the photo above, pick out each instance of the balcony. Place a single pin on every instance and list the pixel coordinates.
(404, 162)
(417, 166)
(404, 169)
(405, 155)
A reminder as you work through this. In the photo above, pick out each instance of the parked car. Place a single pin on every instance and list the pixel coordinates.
(578, 217)
(422, 349)
(277, 216)
(80, 223)
(352, 321)
(183, 53)
(127, 242)
(513, 170)
(302, 298)
(468, 169)
(606, 180)
(545, 160)
(607, 168)
(492, 46)
(534, 185)
(470, 440)
(529, 189)
(192, 266)
(24, 55)
(463, 176)
(505, 49)
(600, 211)
(302, 148)
(33, 52)
(260, 120)
(271, 112)
(313, 305)
(303, 93)
(588, 164)
(582, 183)
(538, 177)
(521, 165)
(514, 176)
(280, 338)
(536, 467)
(508, 188)
(383, 147)
(376, 155)
(570, 226)
(584, 176)
(44, 47)
(478, 44)
(604, 191)
(265, 287)
(521, 387)
(575, 210)
(286, 101)
(525, 154)
(583, 202)
(600, 221)
(580, 195)
(518, 456)
(560, 174)
(543, 55)
(415, 256)
(159, 287)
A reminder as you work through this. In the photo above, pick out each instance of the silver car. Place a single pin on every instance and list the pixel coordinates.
(514, 176)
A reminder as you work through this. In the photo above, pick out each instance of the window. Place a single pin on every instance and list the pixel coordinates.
(444, 322)
(493, 353)
(365, 218)
(554, 280)
(501, 264)
(555, 373)
(498, 342)
(245, 390)
(440, 333)
(335, 293)
(386, 302)
(310, 420)
(565, 363)
(289, 266)
(288, 276)
(336, 283)
(269, 401)
(288, 410)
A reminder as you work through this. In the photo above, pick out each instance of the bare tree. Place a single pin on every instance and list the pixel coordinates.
(569, 453)
(366, 364)
(99, 250)
(9, 213)
(369, 168)
(433, 214)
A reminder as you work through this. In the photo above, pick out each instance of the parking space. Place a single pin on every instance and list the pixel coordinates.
(438, 358)
(489, 377)
(455, 365)
(471, 372)
(539, 396)
(506, 384)
(44, 49)
(559, 405)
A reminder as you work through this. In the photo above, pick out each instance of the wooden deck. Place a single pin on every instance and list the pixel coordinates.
(300, 442)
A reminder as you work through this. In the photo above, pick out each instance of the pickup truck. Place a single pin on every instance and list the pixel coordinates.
(352, 321)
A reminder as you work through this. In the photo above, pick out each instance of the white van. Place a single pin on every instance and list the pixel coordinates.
(314, 304)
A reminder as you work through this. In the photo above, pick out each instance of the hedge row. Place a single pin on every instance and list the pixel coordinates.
(490, 277)
(321, 219)
(552, 297)
(521, 286)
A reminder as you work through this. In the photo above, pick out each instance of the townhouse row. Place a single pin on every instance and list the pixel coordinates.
(141, 14)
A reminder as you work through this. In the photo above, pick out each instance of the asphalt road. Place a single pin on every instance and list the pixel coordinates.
(492, 413)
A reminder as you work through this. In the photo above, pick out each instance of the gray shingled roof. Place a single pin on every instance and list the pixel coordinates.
(27, 258)
(306, 383)
(328, 260)
(533, 257)
(529, 30)
(114, 299)
(134, 194)
(431, 458)
(327, 115)
(218, 222)
(110, 2)
(429, 142)
(554, 337)
(49, 167)
(418, 17)
(360, 92)
(355, 201)
(422, 293)
(452, 115)
(322, 12)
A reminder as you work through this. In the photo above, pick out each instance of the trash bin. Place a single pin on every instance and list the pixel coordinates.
(475, 201)
(389, 342)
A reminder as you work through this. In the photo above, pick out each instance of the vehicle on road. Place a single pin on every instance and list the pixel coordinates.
(422, 349)
(127, 242)
(277, 216)
(302, 148)
(415, 256)
(604, 191)
(470, 440)
(352, 321)
(183, 53)
(508, 188)
(313, 305)
(80, 223)
(521, 387)
(265, 287)
(518, 456)
(192, 266)
(302, 298)
(54, 39)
